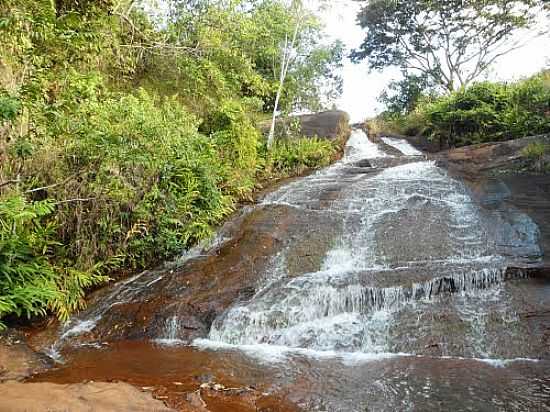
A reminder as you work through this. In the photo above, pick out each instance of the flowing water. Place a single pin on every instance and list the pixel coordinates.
(394, 293)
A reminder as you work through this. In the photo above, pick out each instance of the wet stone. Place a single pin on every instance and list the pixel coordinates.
(380, 283)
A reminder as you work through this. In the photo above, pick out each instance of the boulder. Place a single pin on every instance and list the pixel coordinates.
(503, 157)
(331, 125)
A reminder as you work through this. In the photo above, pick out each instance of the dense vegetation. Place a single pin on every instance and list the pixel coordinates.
(482, 112)
(124, 141)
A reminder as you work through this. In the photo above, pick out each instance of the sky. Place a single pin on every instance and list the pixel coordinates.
(362, 88)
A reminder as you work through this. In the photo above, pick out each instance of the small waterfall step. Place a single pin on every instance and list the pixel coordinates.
(318, 298)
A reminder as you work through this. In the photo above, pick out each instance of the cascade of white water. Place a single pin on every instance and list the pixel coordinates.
(343, 306)
(403, 146)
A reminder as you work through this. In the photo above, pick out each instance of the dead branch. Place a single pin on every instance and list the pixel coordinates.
(87, 199)
(10, 182)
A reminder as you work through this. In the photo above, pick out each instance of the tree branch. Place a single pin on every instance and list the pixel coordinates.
(75, 200)
(9, 182)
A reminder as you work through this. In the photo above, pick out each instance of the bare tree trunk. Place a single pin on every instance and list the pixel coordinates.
(285, 63)
(271, 136)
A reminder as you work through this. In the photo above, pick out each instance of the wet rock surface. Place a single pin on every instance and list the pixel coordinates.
(197, 292)
(495, 173)
(17, 360)
(384, 282)
(185, 378)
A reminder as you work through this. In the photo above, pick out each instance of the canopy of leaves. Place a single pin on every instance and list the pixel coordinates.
(233, 49)
(452, 42)
(402, 97)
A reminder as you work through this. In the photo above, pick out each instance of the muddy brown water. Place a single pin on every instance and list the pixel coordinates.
(381, 283)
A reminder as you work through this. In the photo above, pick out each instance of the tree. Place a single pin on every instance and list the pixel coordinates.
(402, 96)
(313, 77)
(211, 50)
(287, 55)
(451, 42)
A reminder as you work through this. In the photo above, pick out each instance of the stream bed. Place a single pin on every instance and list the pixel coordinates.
(380, 283)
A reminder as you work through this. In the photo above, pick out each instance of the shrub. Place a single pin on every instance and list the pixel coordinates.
(236, 140)
(291, 157)
(488, 111)
(9, 107)
(536, 152)
(149, 184)
(111, 175)
(30, 283)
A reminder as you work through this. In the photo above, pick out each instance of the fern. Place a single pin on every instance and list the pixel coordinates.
(30, 284)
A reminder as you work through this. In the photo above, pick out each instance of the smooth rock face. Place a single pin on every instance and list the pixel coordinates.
(484, 157)
(17, 360)
(331, 125)
(383, 282)
(493, 172)
(320, 248)
(82, 397)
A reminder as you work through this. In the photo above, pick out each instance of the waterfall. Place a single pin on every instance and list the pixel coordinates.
(410, 234)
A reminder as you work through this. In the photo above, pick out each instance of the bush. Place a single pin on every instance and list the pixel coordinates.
(535, 152)
(490, 112)
(9, 107)
(109, 175)
(30, 283)
(291, 157)
(236, 140)
(145, 183)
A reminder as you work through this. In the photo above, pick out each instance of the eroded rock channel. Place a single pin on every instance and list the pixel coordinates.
(380, 283)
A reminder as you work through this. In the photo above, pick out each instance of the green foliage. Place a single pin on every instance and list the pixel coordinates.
(293, 156)
(490, 112)
(403, 96)
(236, 140)
(535, 150)
(9, 107)
(130, 141)
(480, 113)
(146, 184)
(241, 57)
(536, 153)
(30, 283)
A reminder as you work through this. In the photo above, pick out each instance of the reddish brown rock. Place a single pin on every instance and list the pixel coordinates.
(88, 397)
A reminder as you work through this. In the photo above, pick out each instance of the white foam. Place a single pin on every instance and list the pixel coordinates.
(494, 362)
(502, 363)
(82, 326)
(170, 342)
(278, 353)
(402, 145)
(360, 147)
(53, 353)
